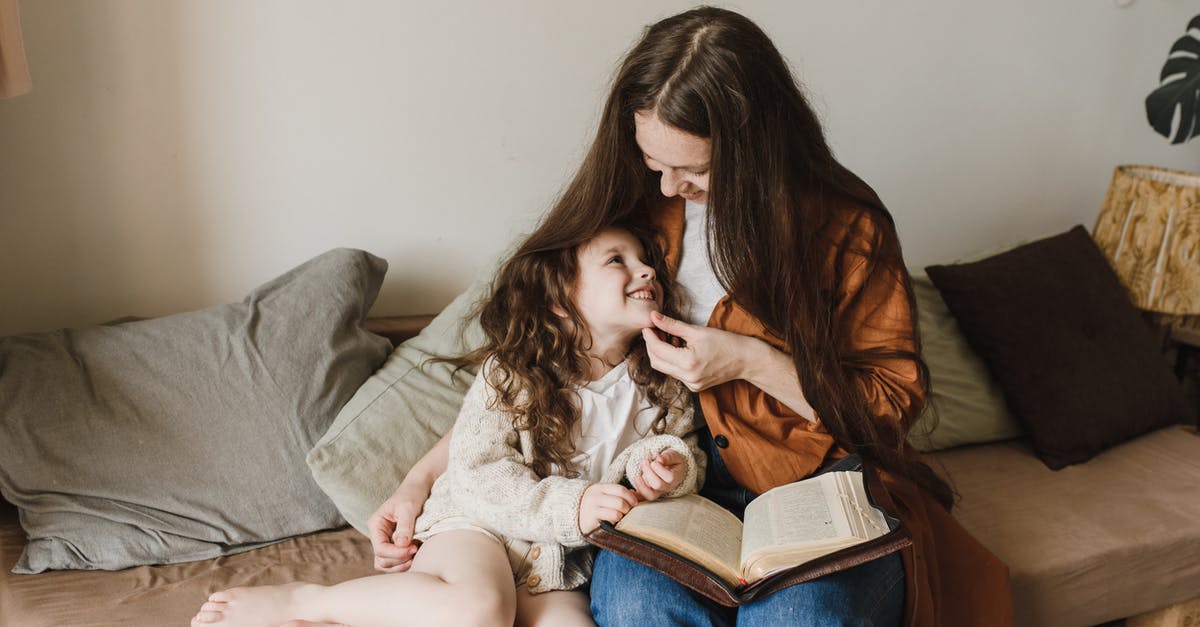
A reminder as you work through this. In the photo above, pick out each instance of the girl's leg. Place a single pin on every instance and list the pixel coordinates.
(568, 608)
(458, 577)
(868, 594)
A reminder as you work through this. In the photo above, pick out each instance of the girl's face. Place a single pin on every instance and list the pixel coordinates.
(615, 289)
(683, 159)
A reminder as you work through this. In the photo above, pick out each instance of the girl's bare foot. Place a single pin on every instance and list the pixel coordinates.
(260, 606)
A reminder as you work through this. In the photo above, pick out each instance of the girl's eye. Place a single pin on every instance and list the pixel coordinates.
(616, 259)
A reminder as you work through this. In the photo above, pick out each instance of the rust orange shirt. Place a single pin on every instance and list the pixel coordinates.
(769, 444)
(950, 578)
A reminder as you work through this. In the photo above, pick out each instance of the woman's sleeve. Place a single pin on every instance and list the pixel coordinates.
(875, 323)
(492, 484)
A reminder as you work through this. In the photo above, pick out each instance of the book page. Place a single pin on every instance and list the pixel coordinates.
(866, 521)
(796, 513)
(801, 521)
(691, 526)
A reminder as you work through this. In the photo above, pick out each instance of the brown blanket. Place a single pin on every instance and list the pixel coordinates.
(157, 596)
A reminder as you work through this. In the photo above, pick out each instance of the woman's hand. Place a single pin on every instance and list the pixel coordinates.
(604, 501)
(391, 528)
(660, 475)
(713, 356)
(710, 356)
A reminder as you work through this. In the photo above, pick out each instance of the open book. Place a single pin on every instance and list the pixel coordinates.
(792, 533)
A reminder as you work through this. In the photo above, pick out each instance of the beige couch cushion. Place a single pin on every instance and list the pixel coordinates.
(154, 596)
(1115, 537)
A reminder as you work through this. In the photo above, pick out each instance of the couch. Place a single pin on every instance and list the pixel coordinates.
(1092, 532)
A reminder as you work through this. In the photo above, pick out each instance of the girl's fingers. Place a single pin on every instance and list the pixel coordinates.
(651, 476)
(644, 490)
(612, 515)
(670, 457)
(619, 503)
(664, 475)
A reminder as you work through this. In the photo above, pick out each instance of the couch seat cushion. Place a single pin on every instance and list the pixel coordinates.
(1093, 542)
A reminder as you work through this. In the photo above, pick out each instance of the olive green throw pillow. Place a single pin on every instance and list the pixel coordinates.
(398, 414)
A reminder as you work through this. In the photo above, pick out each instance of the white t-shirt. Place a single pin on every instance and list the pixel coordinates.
(696, 279)
(614, 413)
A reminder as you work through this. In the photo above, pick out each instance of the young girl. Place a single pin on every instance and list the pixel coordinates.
(565, 407)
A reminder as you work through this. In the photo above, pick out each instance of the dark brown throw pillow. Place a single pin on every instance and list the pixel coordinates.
(1078, 366)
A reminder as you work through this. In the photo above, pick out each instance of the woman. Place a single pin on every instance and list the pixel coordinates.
(800, 339)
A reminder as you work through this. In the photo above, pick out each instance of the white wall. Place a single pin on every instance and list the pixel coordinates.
(176, 153)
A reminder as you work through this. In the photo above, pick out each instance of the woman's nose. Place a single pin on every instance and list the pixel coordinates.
(670, 183)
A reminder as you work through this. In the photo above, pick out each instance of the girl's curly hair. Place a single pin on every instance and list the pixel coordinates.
(538, 358)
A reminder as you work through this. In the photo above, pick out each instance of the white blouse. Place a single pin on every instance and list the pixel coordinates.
(696, 279)
(614, 413)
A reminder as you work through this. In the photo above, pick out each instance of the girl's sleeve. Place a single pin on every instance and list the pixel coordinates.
(492, 484)
(680, 436)
(875, 323)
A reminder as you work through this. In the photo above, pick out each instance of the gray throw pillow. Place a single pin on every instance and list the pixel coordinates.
(183, 438)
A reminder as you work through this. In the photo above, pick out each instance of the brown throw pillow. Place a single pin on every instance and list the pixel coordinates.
(1078, 366)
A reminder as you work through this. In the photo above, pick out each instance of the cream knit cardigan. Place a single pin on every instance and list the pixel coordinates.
(489, 479)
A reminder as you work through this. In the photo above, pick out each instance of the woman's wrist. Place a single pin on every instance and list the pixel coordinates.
(773, 371)
(758, 360)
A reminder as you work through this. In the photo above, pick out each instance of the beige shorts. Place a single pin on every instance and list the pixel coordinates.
(517, 550)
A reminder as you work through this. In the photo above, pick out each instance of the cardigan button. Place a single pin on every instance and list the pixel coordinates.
(721, 441)
(533, 581)
(535, 552)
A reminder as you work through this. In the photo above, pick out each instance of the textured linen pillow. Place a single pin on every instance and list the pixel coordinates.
(183, 438)
(966, 405)
(1078, 366)
(398, 414)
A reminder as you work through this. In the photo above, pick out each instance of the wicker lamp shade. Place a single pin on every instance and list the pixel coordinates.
(1149, 227)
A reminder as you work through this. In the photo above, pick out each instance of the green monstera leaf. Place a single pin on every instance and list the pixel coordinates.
(1179, 91)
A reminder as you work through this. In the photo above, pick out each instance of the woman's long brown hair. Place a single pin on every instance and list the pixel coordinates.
(538, 357)
(775, 194)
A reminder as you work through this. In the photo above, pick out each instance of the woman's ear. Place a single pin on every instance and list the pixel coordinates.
(558, 311)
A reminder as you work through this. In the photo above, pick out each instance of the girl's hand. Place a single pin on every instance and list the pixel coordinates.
(391, 528)
(604, 501)
(660, 475)
(710, 356)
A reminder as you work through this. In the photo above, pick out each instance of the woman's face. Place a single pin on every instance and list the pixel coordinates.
(683, 159)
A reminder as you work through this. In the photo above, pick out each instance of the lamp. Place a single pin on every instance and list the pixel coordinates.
(1149, 228)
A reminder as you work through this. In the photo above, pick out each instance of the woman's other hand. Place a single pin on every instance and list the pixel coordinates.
(604, 501)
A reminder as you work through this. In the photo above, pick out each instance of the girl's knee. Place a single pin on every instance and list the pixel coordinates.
(484, 606)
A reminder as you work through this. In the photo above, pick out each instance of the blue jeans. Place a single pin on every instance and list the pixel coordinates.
(624, 592)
